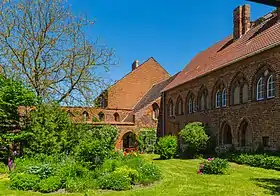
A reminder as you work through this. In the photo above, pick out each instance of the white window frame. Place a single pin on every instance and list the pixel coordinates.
(224, 97)
(270, 83)
(260, 91)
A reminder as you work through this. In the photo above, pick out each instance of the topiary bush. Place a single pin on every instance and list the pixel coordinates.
(49, 184)
(24, 181)
(214, 166)
(194, 138)
(147, 140)
(167, 147)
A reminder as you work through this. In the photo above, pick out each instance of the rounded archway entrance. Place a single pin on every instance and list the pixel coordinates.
(130, 142)
(226, 136)
(245, 134)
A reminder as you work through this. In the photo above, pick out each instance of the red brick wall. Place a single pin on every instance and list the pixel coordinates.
(129, 90)
(263, 117)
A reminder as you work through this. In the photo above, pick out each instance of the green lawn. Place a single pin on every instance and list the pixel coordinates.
(180, 178)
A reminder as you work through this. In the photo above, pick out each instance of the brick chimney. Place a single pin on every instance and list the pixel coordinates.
(135, 64)
(241, 21)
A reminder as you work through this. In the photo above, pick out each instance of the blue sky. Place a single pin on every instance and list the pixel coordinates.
(172, 32)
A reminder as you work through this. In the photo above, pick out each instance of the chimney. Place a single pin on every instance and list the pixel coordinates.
(135, 64)
(241, 21)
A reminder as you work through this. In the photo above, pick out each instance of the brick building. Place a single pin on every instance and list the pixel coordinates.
(233, 86)
(132, 103)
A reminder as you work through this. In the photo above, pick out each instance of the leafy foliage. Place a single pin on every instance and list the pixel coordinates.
(194, 138)
(3, 168)
(257, 160)
(12, 95)
(24, 181)
(147, 140)
(48, 129)
(115, 181)
(50, 184)
(214, 166)
(167, 147)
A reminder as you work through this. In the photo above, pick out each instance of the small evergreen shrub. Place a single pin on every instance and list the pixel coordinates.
(147, 140)
(49, 185)
(23, 181)
(115, 181)
(194, 138)
(213, 166)
(167, 147)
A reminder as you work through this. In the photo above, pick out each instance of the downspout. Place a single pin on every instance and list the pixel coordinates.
(163, 114)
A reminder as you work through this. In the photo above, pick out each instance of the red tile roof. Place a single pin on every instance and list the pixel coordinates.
(260, 37)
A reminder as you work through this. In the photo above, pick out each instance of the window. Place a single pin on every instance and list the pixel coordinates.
(170, 108)
(236, 95)
(202, 102)
(101, 116)
(191, 106)
(260, 89)
(117, 117)
(85, 116)
(179, 106)
(224, 98)
(155, 111)
(270, 87)
(245, 93)
(265, 141)
(218, 99)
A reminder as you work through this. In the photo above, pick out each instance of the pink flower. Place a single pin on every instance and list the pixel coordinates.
(210, 159)
(199, 172)
(201, 166)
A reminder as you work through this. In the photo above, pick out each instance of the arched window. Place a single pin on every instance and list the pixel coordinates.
(117, 117)
(69, 114)
(260, 89)
(245, 93)
(203, 101)
(179, 106)
(270, 87)
(85, 116)
(191, 106)
(170, 108)
(236, 95)
(218, 99)
(101, 116)
(155, 111)
(224, 98)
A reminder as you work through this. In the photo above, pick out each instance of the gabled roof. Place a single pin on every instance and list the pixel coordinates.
(153, 94)
(260, 37)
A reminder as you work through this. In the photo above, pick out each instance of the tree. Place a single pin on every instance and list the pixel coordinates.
(44, 44)
(194, 138)
(12, 95)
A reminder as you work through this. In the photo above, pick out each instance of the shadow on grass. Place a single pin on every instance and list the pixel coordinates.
(272, 185)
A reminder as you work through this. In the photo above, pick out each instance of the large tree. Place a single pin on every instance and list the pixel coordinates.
(44, 44)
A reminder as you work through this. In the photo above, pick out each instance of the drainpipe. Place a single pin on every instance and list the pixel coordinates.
(163, 113)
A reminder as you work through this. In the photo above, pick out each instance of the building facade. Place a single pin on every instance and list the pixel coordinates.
(232, 87)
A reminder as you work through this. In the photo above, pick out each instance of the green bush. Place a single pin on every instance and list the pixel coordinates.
(3, 168)
(129, 172)
(214, 166)
(167, 147)
(74, 185)
(257, 160)
(49, 185)
(43, 171)
(115, 181)
(147, 140)
(194, 138)
(23, 181)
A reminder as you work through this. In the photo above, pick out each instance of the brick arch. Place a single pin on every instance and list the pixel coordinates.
(239, 79)
(226, 136)
(119, 143)
(219, 85)
(177, 105)
(261, 72)
(170, 104)
(248, 140)
(189, 96)
(203, 91)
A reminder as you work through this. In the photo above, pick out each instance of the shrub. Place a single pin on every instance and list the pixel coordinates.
(194, 138)
(126, 171)
(22, 181)
(257, 160)
(147, 140)
(115, 181)
(167, 147)
(214, 166)
(43, 171)
(3, 168)
(80, 184)
(50, 184)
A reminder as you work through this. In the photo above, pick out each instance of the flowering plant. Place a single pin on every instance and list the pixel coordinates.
(213, 166)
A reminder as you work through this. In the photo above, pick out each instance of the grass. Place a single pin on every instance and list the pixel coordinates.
(180, 178)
